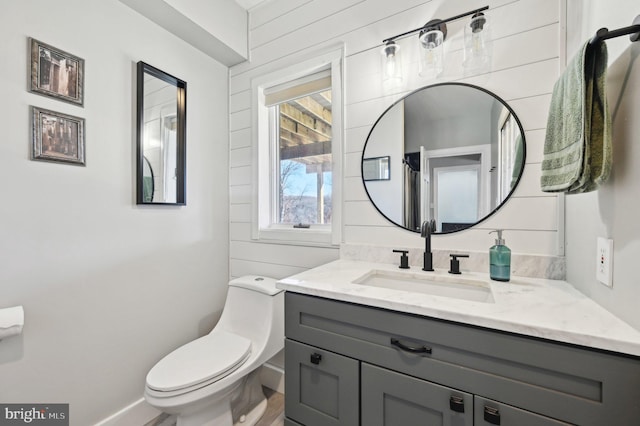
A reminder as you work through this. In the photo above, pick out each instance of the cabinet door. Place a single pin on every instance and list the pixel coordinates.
(489, 413)
(394, 399)
(322, 388)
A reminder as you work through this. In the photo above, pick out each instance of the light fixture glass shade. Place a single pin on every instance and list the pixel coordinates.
(432, 53)
(391, 64)
(478, 45)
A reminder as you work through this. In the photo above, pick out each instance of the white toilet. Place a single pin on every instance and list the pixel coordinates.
(206, 380)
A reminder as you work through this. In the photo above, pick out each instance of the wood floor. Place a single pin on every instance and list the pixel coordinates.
(274, 416)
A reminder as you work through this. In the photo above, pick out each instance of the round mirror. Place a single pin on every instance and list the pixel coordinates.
(450, 154)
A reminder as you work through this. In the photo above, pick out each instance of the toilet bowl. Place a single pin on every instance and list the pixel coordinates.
(213, 381)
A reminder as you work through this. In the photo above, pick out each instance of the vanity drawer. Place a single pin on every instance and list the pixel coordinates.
(564, 382)
(489, 413)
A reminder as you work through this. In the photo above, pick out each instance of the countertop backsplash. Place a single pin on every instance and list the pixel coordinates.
(523, 265)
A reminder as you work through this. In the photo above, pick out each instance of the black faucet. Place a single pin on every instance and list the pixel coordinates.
(425, 232)
(404, 259)
(454, 267)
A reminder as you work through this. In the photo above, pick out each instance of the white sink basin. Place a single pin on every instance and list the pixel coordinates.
(426, 283)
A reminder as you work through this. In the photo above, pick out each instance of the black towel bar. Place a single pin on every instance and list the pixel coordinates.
(604, 34)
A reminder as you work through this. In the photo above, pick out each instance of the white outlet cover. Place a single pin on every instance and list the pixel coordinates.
(604, 261)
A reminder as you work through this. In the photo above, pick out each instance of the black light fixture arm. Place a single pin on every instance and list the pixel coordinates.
(453, 18)
(604, 34)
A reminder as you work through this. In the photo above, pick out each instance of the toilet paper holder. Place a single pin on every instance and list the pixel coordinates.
(11, 321)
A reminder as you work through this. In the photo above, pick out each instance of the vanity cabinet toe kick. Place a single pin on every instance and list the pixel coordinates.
(349, 364)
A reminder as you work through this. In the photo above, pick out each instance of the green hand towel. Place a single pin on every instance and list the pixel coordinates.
(577, 150)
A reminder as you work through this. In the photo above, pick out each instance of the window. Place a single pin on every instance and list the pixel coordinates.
(297, 140)
(300, 135)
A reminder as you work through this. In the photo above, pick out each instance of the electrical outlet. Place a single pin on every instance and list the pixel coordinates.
(604, 261)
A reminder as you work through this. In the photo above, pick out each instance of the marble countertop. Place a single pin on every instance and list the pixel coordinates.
(548, 309)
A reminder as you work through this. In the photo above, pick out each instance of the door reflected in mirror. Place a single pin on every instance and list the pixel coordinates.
(161, 137)
(459, 151)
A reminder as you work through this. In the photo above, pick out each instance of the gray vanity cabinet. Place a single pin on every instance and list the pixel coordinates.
(349, 364)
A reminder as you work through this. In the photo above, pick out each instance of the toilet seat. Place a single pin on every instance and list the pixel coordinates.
(200, 362)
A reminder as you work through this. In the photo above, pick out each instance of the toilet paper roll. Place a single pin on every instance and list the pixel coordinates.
(11, 321)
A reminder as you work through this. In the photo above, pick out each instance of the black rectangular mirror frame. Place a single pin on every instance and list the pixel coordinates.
(181, 136)
(379, 163)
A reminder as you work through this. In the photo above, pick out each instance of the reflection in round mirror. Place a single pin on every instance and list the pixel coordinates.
(450, 154)
(148, 185)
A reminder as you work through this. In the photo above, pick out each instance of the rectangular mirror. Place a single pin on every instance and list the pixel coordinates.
(162, 137)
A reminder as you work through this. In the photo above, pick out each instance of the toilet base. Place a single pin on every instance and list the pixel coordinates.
(210, 413)
(222, 417)
(243, 402)
(252, 417)
(207, 417)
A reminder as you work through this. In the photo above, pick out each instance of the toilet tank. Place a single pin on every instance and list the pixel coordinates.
(260, 284)
(255, 309)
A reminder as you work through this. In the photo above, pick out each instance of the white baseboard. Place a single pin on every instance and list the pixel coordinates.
(272, 377)
(137, 413)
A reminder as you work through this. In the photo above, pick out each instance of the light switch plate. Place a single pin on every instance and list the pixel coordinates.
(604, 261)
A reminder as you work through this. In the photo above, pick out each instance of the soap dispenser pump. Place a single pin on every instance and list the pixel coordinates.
(499, 259)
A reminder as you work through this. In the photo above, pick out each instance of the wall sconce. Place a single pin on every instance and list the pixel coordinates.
(391, 63)
(478, 45)
(431, 46)
(432, 55)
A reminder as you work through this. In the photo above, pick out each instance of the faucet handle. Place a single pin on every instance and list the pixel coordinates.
(454, 268)
(404, 259)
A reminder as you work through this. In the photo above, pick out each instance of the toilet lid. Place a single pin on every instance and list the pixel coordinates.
(205, 359)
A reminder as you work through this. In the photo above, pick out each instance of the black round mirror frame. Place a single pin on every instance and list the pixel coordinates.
(513, 187)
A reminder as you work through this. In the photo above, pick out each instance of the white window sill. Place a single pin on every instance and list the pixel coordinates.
(296, 236)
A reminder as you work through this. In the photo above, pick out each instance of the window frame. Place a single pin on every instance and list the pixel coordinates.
(264, 158)
(506, 152)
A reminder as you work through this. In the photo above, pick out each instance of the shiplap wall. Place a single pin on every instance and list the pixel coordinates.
(526, 35)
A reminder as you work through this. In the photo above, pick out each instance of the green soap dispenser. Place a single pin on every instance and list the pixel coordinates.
(499, 259)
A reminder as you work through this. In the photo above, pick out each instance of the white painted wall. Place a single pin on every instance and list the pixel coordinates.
(216, 28)
(108, 288)
(614, 210)
(526, 64)
(224, 18)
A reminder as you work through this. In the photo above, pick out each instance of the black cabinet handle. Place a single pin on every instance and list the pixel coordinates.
(416, 350)
(456, 404)
(315, 359)
(491, 415)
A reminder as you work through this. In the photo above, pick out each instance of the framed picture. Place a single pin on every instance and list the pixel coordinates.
(57, 137)
(376, 168)
(56, 73)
